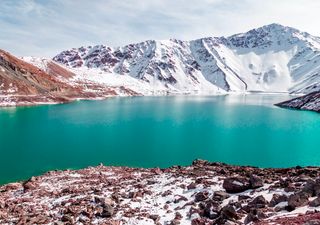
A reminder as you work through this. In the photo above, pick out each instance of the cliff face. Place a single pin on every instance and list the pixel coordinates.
(202, 193)
(308, 102)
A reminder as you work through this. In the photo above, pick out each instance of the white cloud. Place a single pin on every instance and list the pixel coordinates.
(43, 28)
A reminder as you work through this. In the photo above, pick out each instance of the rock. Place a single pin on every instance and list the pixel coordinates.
(67, 218)
(312, 187)
(155, 218)
(255, 181)
(174, 222)
(236, 184)
(192, 186)
(258, 202)
(276, 199)
(250, 218)
(107, 211)
(243, 197)
(179, 198)
(178, 216)
(312, 222)
(198, 221)
(29, 184)
(201, 196)
(254, 216)
(220, 195)
(297, 200)
(315, 202)
(229, 212)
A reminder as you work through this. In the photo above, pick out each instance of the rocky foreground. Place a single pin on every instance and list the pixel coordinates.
(308, 102)
(203, 193)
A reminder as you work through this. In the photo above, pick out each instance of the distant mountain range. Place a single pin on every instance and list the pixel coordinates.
(272, 58)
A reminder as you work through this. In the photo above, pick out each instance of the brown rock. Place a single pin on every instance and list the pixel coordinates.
(201, 196)
(155, 218)
(236, 184)
(192, 186)
(255, 181)
(220, 195)
(276, 199)
(229, 212)
(315, 202)
(297, 200)
(258, 202)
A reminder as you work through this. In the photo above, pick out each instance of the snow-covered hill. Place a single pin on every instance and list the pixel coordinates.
(273, 58)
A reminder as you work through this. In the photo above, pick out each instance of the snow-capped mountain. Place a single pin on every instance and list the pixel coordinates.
(273, 58)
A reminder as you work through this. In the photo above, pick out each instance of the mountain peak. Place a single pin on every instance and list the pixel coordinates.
(267, 36)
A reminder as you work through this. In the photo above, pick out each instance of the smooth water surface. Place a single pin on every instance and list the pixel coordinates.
(156, 132)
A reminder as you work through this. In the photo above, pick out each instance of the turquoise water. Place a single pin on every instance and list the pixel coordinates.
(156, 131)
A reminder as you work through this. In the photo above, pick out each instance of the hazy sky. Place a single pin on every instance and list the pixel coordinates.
(45, 27)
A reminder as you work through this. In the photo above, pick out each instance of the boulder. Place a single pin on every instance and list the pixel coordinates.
(155, 218)
(258, 202)
(312, 187)
(107, 211)
(201, 196)
(220, 195)
(312, 222)
(255, 181)
(276, 199)
(192, 186)
(229, 212)
(236, 184)
(297, 200)
(315, 202)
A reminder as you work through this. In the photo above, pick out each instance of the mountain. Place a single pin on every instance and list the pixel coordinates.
(272, 58)
(22, 83)
(307, 102)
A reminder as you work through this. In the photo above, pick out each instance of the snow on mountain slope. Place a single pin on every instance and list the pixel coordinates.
(273, 58)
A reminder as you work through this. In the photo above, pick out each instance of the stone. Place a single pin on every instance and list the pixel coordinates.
(174, 222)
(312, 222)
(192, 186)
(67, 218)
(201, 196)
(258, 202)
(178, 216)
(312, 187)
(251, 218)
(107, 211)
(229, 212)
(243, 197)
(155, 218)
(315, 202)
(276, 199)
(297, 200)
(236, 184)
(198, 221)
(255, 181)
(220, 195)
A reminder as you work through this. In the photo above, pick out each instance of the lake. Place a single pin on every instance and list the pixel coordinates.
(156, 132)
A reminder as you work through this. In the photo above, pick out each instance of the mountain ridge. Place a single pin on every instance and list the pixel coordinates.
(272, 58)
(269, 59)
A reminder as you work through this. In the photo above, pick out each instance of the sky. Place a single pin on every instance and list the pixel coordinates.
(47, 27)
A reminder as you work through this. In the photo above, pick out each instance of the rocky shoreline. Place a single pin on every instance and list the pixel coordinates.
(202, 193)
(307, 102)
